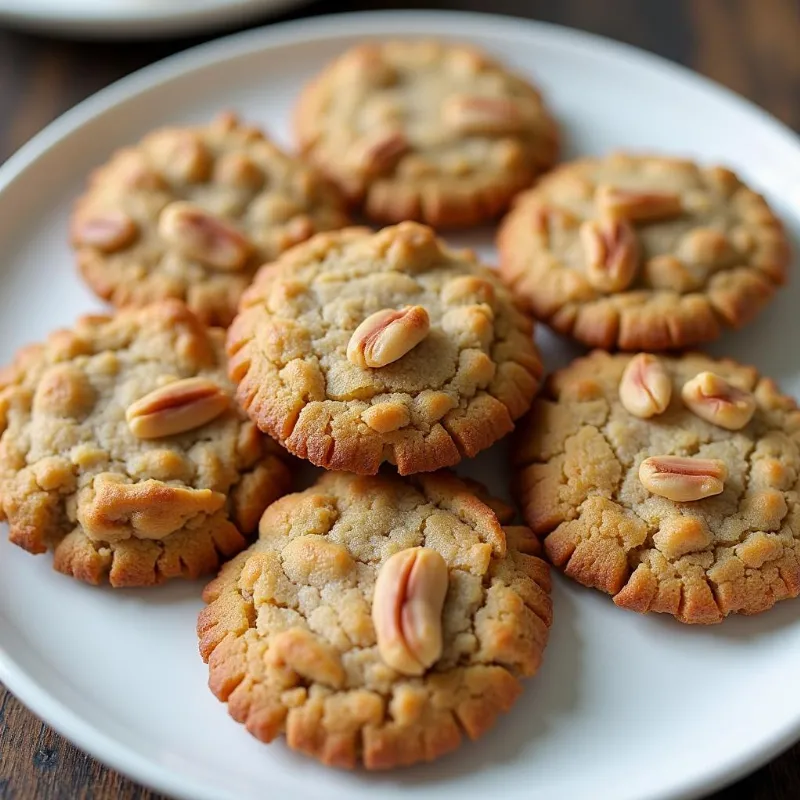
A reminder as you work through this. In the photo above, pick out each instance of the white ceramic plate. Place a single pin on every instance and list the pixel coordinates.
(134, 18)
(625, 707)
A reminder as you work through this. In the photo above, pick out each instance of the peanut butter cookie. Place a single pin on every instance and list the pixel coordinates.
(121, 450)
(358, 348)
(191, 213)
(377, 620)
(425, 130)
(669, 483)
(643, 253)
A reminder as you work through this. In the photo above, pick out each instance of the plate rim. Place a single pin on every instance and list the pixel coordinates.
(133, 21)
(35, 696)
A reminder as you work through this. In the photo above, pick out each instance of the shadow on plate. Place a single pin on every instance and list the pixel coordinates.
(734, 628)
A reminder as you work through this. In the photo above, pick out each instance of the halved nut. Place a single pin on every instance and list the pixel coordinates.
(387, 335)
(682, 479)
(407, 609)
(110, 232)
(612, 254)
(201, 236)
(715, 400)
(637, 206)
(308, 655)
(176, 408)
(474, 114)
(646, 388)
(378, 154)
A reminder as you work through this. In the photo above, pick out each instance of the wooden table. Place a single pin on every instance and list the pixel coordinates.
(751, 46)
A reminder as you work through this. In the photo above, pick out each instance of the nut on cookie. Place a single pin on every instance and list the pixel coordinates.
(121, 451)
(377, 620)
(357, 348)
(192, 212)
(425, 130)
(671, 511)
(642, 252)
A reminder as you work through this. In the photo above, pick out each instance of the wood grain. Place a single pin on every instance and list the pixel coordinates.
(751, 46)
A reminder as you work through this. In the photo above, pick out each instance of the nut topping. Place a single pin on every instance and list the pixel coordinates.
(176, 408)
(638, 206)
(379, 154)
(407, 609)
(301, 651)
(683, 479)
(202, 236)
(713, 399)
(108, 232)
(386, 336)
(467, 114)
(468, 289)
(612, 254)
(645, 389)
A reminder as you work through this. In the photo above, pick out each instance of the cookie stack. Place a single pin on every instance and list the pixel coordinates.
(391, 608)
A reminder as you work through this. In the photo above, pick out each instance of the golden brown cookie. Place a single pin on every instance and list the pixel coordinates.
(121, 450)
(377, 620)
(669, 483)
(642, 252)
(191, 213)
(425, 130)
(358, 348)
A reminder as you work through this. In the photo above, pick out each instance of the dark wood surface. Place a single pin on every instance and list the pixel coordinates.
(751, 46)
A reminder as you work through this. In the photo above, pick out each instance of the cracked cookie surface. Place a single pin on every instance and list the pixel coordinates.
(453, 394)
(578, 462)
(256, 201)
(289, 636)
(75, 479)
(425, 130)
(643, 253)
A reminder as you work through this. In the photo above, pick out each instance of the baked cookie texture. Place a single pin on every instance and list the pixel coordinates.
(424, 130)
(298, 347)
(578, 462)
(642, 252)
(289, 635)
(191, 213)
(76, 480)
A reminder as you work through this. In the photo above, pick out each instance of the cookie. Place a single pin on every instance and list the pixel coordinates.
(376, 620)
(191, 213)
(358, 348)
(121, 451)
(669, 483)
(642, 253)
(425, 130)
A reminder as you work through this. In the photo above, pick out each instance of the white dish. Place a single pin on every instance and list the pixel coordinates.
(135, 18)
(625, 707)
